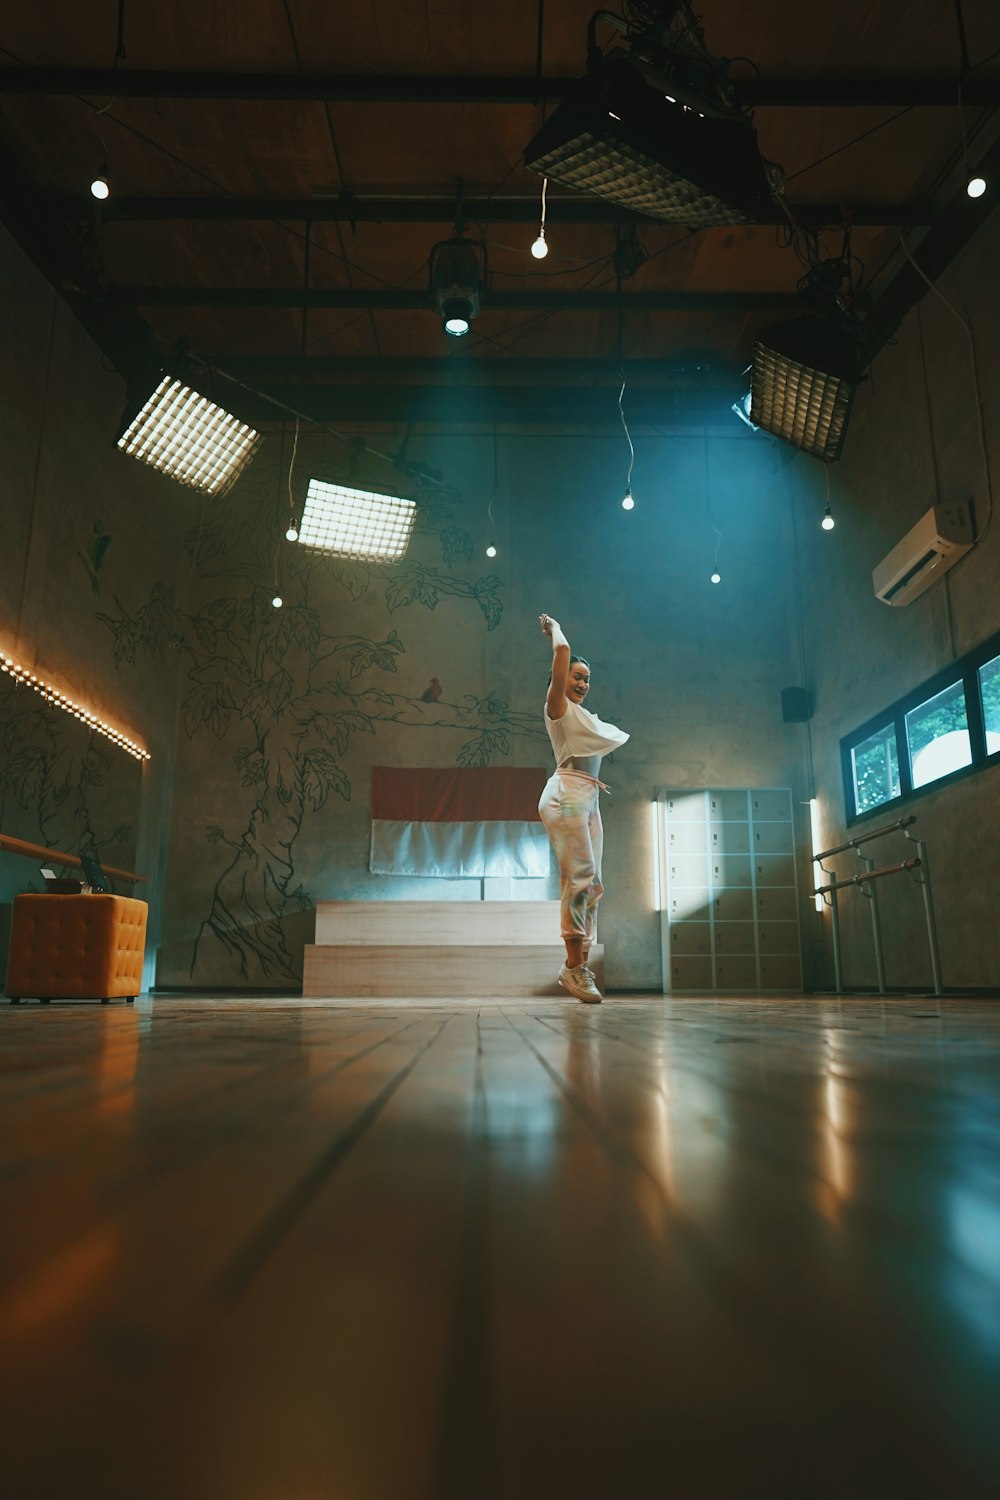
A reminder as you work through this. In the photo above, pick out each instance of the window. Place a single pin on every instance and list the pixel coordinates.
(989, 695)
(944, 729)
(937, 736)
(875, 766)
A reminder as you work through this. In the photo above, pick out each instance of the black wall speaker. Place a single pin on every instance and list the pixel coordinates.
(795, 705)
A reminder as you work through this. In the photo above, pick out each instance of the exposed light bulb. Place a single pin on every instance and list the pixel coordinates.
(828, 523)
(277, 601)
(100, 188)
(491, 551)
(457, 327)
(976, 187)
(292, 534)
(628, 503)
(716, 577)
(540, 249)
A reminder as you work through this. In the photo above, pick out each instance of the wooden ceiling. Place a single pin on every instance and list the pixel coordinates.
(281, 170)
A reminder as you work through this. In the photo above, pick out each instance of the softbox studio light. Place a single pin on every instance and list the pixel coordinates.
(804, 376)
(616, 137)
(177, 430)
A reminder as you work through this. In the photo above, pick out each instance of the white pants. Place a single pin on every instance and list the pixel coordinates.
(571, 813)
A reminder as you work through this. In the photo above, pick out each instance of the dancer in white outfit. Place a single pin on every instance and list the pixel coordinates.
(569, 806)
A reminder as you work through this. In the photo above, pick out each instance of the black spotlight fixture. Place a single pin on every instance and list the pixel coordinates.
(456, 281)
(804, 375)
(656, 129)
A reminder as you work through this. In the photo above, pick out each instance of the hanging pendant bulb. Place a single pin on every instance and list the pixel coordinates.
(628, 503)
(292, 534)
(828, 523)
(540, 249)
(491, 551)
(716, 577)
(976, 186)
(277, 601)
(100, 187)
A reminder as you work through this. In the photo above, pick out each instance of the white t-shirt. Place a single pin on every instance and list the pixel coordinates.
(581, 733)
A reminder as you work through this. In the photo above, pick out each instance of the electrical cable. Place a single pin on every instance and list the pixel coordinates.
(981, 425)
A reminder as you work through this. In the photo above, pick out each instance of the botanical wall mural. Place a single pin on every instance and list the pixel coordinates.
(284, 694)
(62, 786)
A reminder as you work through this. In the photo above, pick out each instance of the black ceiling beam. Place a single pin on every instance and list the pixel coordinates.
(374, 88)
(520, 301)
(535, 405)
(372, 209)
(462, 364)
(955, 225)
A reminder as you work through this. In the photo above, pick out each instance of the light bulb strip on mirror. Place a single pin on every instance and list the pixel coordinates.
(22, 676)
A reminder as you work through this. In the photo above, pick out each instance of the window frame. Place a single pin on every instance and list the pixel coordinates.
(964, 670)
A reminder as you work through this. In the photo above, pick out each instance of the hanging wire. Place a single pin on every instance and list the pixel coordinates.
(291, 468)
(621, 396)
(708, 508)
(973, 365)
(489, 508)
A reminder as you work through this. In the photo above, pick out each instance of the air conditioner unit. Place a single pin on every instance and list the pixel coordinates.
(933, 546)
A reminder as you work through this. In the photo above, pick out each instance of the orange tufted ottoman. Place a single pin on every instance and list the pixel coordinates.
(76, 947)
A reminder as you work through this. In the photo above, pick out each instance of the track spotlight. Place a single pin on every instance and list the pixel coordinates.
(186, 436)
(828, 523)
(804, 376)
(628, 503)
(456, 279)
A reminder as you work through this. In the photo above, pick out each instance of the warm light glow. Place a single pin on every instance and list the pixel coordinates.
(189, 438)
(656, 809)
(540, 249)
(356, 523)
(976, 187)
(101, 190)
(491, 551)
(62, 700)
(716, 577)
(628, 503)
(815, 837)
(828, 523)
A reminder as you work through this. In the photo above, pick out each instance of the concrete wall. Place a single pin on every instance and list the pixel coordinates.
(283, 713)
(913, 440)
(83, 528)
(265, 724)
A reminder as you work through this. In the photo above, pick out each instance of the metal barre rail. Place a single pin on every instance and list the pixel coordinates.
(866, 838)
(863, 883)
(839, 885)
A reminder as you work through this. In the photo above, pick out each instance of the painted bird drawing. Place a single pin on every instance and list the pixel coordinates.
(92, 554)
(432, 691)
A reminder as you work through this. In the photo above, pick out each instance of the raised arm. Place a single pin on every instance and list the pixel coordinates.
(555, 701)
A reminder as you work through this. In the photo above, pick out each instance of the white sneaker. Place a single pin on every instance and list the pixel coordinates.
(581, 983)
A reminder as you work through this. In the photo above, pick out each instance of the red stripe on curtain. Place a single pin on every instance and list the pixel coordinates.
(480, 794)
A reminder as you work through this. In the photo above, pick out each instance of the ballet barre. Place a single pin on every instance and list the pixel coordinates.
(865, 883)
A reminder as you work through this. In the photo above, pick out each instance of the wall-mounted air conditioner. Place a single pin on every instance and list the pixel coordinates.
(933, 546)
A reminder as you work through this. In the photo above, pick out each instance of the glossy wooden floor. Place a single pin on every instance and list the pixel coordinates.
(307, 1250)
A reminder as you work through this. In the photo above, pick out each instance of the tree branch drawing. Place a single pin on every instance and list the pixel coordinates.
(296, 694)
